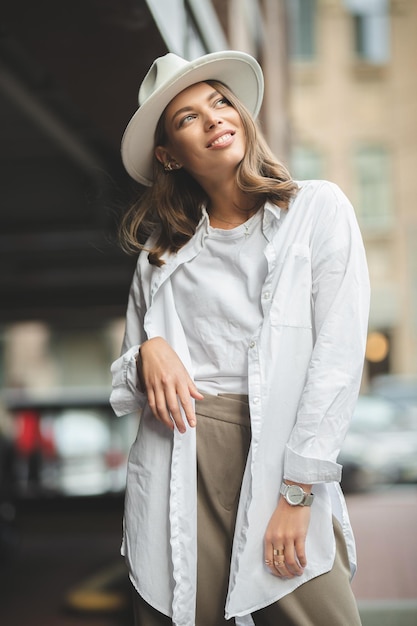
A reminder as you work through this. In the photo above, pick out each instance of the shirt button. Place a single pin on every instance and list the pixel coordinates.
(256, 400)
(267, 295)
(252, 344)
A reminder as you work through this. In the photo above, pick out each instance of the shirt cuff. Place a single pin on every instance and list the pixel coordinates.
(308, 470)
(126, 397)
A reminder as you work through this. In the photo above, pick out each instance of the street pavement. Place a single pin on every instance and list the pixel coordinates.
(66, 571)
(385, 526)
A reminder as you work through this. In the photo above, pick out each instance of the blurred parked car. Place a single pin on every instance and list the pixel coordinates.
(399, 389)
(69, 442)
(381, 445)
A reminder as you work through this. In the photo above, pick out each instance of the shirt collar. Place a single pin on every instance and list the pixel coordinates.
(272, 219)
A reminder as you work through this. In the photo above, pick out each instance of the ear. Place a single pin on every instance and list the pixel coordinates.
(162, 155)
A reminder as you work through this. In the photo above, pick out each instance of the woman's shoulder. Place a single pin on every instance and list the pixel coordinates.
(320, 198)
(318, 189)
(326, 212)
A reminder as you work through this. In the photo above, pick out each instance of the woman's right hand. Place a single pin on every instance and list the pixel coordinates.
(167, 383)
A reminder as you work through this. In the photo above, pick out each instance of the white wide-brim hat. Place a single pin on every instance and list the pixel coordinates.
(167, 77)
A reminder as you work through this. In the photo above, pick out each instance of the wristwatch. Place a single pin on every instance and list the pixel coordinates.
(295, 495)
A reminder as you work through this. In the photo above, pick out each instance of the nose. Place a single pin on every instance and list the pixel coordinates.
(212, 121)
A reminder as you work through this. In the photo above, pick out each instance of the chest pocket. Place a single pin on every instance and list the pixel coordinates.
(291, 304)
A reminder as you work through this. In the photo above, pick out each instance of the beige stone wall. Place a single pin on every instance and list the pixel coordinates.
(337, 102)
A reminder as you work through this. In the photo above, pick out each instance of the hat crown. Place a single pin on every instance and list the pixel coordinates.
(160, 73)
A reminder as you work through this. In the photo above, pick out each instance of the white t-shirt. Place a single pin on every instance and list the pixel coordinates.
(219, 315)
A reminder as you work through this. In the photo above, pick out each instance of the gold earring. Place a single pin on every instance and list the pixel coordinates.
(171, 165)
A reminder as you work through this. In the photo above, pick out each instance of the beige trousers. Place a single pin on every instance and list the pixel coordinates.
(223, 439)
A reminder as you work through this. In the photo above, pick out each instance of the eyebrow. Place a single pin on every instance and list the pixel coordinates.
(186, 109)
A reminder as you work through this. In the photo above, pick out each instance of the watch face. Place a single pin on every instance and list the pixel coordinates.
(295, 494)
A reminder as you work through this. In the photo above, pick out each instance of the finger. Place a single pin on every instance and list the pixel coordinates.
(162, 409)
(194, 393)
(174, 411)
(301, 553)
(280, 562)
(159, 412)
(185, 400)
(188, 408)
(279, 566)
(274, 559)
(291, 561)
(269, 560)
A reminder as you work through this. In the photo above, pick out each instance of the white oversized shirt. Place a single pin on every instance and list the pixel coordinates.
(304, 372)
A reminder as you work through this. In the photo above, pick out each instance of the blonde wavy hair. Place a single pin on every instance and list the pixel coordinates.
(172, 207)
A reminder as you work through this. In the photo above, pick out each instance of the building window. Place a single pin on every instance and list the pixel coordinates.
(302, 35)
(373, 197)
(306, 163)
(370, 29)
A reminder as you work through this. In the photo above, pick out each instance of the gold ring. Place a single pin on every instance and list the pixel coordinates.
(279, 563)
(267, 562)
(278, 551)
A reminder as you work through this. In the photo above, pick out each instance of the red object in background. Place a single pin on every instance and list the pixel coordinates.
(28, 435)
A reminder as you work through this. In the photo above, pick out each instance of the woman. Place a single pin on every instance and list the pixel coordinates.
(243, 349)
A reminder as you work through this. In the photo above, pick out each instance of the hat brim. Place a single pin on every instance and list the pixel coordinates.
(239, 71)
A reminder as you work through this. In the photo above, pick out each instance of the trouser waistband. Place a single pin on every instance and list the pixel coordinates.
(226, 407)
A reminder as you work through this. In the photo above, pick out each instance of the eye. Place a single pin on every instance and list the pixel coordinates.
(186, 119)
(222, 102)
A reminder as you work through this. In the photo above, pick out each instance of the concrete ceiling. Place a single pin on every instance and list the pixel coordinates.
(69, 75)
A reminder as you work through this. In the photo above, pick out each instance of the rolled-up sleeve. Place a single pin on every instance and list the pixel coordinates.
(127, 396)
(340, 305)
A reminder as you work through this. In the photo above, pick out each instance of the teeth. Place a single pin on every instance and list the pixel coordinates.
(221, 139)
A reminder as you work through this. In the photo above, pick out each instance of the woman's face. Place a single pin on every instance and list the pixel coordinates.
(205, 134)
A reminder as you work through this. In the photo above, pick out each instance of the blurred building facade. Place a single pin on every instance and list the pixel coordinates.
(354, 121)
(341, 104)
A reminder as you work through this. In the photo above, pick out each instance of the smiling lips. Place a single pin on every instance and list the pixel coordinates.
(221, 140)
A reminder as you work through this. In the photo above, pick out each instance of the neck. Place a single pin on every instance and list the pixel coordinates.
(230, 205)
(236, 220)
(227, 205)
